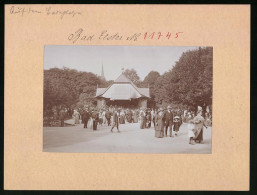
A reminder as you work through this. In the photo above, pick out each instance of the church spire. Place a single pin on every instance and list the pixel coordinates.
(102, 74)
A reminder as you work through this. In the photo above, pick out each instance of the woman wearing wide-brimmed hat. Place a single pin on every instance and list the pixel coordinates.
(176, 124)
(199, 123)
(159, 126)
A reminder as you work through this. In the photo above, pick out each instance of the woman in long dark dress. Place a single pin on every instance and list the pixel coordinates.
(136, 113)
(159, 125)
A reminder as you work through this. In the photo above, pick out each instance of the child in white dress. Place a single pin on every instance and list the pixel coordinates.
(191, 133)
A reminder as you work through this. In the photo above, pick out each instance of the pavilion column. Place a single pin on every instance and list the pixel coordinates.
(142, 103)
(103, 102)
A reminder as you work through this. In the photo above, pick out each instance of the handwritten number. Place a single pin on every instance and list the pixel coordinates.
(177, 34)
(168, 35)
(152, 35)
(145, 35)
(160, 34)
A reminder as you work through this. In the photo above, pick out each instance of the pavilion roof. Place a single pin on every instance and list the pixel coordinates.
(122, 89)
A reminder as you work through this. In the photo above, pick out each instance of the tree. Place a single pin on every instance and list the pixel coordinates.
(150, 80)
(69, 88)
(87, 96)
(132, 75)
(189, 82)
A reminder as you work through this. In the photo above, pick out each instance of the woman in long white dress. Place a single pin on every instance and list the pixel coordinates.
(90, 123)
(199, 123)
(104, 118)
(191, 133)
(142, 119)
(76, 117)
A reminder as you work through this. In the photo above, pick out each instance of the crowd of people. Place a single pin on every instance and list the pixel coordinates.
(164, 120)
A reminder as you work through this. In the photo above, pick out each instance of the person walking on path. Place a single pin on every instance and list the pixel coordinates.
(62, 117)
(168, 117)
(199, 123)
(76, 116)
(108, 116)
(115, 122)
(191, 131)
(103, 115)
(136, 115)
(159, 125)
(85, 117)
(122, 117)
(142, 118)
(177, 123)
(95, 117)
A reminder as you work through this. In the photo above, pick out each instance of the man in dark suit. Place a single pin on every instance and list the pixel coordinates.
(168, 118)
(85, 117)
(95, 117)
(108, 117)
(115, 120)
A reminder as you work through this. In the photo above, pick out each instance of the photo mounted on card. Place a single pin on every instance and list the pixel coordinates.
(143, 93)
(94, 93)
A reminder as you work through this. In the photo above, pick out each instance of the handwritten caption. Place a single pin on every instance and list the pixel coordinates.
(49, 11)
(80, 35)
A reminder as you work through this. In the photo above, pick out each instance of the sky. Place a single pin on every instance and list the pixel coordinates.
(143, 59)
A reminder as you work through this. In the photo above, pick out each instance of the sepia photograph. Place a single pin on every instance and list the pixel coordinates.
(128, 99)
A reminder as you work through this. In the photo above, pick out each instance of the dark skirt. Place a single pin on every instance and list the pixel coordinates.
(122, 120)
(129, 119)
(100, 121)
(199, 135)
(176, 127)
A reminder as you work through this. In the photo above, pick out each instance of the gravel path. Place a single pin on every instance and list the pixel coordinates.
(132, 139)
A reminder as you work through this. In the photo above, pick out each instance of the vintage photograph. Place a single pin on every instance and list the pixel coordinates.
(128, 99)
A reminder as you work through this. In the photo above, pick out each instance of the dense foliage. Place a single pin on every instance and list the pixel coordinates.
(189, 82)
(69, 88)
(132, 75)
